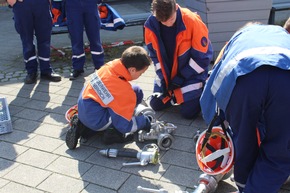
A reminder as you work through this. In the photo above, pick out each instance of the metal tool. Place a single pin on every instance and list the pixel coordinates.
(160, 131)
(149, 154)
(206, 184)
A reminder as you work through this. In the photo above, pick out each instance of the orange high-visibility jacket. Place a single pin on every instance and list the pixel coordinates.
(193, 54)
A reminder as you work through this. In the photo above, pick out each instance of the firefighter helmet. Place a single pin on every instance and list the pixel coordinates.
(215, 151)
(71, 112)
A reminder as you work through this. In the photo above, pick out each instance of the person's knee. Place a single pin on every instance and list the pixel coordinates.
(190, 109)
(157, 104)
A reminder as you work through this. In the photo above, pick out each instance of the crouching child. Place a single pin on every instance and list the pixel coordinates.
(107, 102)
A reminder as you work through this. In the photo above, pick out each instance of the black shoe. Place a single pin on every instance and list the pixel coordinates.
(75, 74)
(112, 136)
(51, 77)
(73, 135)
(30, 78)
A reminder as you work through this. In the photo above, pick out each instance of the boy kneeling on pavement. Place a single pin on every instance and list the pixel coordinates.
(107, 102)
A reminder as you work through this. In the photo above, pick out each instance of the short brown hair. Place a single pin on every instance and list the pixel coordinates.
(163, 9)
(137, 57)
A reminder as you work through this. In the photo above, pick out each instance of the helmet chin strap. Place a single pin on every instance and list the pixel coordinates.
(215, 155)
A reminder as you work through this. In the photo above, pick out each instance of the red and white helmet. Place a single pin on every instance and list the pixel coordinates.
(71, 112)
(215, 153)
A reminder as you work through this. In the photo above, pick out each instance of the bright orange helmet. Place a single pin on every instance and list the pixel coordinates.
(215, 151)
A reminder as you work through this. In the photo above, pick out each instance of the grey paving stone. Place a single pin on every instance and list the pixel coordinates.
(43, 96)
(48, 87)
(11, 151)
(175, 118)
(105, 177)
(69, 167)
(62, 184)
(66, 100)
(184, 131)
(27, 175)
(80, 153)
(92, 188)
(3, 183)
(133, 182)
(50, 130)
(6, 166)
(36, 104)
(72, 92)
(6, 89)
(17, 137)
(149, 171)
(13, 187)
(36, 158)
(183, 144)
(18, 101)
(55, 119)
(31, 114)
(25, 125)
(44, 143)
(180, 158)
(182, 176)
(57, 108)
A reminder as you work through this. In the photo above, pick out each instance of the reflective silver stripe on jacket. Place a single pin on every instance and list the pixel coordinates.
(191, 87)
(195, 66)
(101, 89)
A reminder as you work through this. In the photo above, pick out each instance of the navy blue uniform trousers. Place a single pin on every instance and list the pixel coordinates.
(263, 94)
(84, 14)
(33, 18)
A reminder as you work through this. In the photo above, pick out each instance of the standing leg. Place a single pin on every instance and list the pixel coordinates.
(23, 18)
(92, 23)
(261, 168)
(43, 27)
(74, 13)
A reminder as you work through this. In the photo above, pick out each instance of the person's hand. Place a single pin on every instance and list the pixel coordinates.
(164, 89)
(175, 83)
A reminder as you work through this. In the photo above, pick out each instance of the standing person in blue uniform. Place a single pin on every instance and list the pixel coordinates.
(250, 84)
(33, 18)
(181, 51)
(108, 101)
(84, 15)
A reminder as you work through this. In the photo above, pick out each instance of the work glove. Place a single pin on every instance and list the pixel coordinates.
(176, 82)
(147, 126)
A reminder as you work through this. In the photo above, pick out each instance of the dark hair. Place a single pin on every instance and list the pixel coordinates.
(163, 9)
(136, 56)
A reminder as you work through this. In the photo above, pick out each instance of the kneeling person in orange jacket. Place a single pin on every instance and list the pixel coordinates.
(108, 101)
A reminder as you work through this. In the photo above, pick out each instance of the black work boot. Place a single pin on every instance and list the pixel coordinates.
(112, 136)
(75, 74)
(73, 134)
(30, 78)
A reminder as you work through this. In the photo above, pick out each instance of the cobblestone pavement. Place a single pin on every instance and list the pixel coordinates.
(35, 159)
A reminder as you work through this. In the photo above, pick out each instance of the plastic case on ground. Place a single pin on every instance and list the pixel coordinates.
(5, 120)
